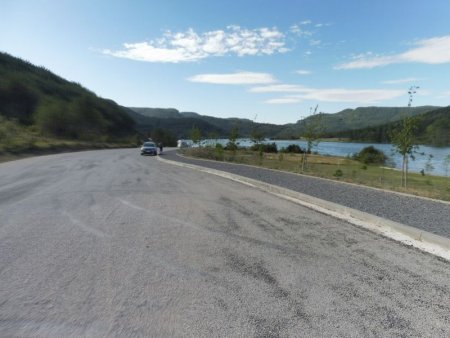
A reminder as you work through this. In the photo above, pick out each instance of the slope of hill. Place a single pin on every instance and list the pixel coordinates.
(158, 112)
(331, 124)
(36, 98)
(180, 123)
(359, 118)
(433, 129)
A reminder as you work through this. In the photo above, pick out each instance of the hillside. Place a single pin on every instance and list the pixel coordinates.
(354, 119)
(332, 125)
(47, 105)
(180, 123)
(433, 129)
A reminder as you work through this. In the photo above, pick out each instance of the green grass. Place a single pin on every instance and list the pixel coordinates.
(18, 141)
(335, 168)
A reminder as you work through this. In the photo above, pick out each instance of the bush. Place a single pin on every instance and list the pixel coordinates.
(294, 148)
(338, 173)
(265, 147)
(231, 146)
(371, 155)
(218, 153)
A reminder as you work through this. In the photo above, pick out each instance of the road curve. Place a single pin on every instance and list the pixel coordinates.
(111, 244)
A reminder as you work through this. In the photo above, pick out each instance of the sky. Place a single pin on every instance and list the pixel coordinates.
(268, 61)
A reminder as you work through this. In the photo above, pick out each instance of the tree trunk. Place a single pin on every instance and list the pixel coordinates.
(406, 172)
(403, 171)
(304, 162)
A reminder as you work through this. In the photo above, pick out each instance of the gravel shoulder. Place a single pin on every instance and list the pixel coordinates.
(425, 214)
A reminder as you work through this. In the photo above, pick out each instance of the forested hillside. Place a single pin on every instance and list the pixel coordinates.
(433, 128)
(180, 123)
(354, 119)
(35, 97)
(369, 123)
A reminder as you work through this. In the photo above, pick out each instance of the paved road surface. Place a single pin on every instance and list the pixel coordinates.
(108, 243)
(428, 215)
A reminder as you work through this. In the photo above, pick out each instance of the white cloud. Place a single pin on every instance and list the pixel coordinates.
(301, 31)
(279, 88)
(190, 46)
(400, 81)
(431, 51)
(303, 72)
(353, 95)
(364, 96)
(234, 78)
(284, 100)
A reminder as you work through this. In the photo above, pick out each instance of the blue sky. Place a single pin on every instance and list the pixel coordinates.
(272, 60)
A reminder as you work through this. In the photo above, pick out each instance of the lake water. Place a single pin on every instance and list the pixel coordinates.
(350, 148)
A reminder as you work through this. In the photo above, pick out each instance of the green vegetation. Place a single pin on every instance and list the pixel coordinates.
(265, 147)
(311, 133)
(293, 148)
(343, 169)
(433, 128)
(40, 111)
(17, 140)
(404, 142)
(359, 118)
(371, 155)
(163, 136)
(196, 135)
(367, 124)
(234, 135)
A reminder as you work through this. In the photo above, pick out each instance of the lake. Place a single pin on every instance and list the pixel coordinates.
(349, 148)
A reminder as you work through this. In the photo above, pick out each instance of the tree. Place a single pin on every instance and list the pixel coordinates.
(311, 134)
(232, 143)
(404, 143)
(256, 136)
(404, 140)
(196, 135)
(164, 136)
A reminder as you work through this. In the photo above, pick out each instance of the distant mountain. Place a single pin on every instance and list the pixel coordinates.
(354, 119)
(331, 124)
(180, 123)
(34, 96)
(433, 129)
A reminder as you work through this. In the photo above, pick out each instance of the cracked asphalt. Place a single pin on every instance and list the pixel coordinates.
(425, 214)
(112, 244)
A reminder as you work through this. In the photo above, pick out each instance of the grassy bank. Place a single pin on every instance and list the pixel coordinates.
(335, 168)
(17, 141)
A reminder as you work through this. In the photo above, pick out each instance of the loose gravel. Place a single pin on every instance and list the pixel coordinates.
(425, 214)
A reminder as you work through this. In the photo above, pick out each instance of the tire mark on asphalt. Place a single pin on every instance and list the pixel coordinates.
(84, 227)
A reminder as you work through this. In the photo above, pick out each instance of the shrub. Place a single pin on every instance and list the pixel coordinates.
(338, 173)
(231, 146)
(265, 147)
(371, 155)
(293, 148)
(218, 154)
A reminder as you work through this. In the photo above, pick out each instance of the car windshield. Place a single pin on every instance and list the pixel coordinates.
(149, 144)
